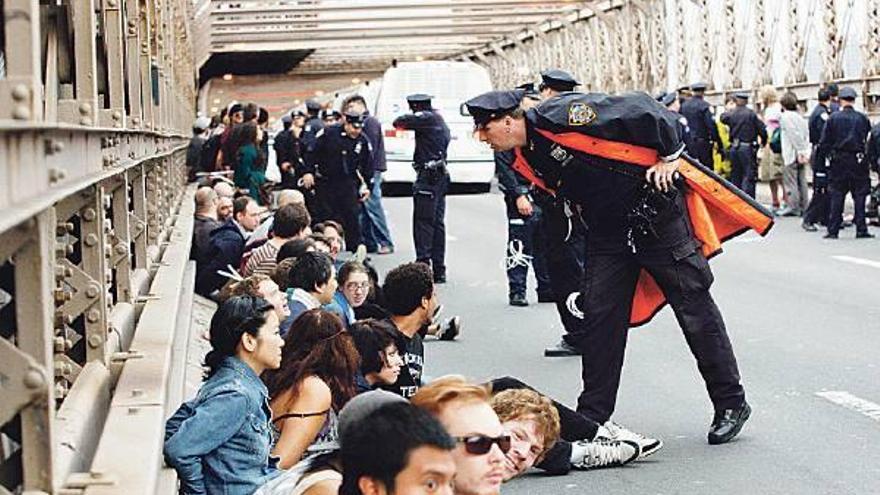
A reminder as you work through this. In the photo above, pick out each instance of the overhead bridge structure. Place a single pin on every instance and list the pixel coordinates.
(96, 102)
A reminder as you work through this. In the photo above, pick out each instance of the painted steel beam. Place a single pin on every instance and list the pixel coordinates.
(295, 16)
(375, 5)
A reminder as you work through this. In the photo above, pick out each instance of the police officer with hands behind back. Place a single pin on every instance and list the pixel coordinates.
(341, 169)
(704, 132)
(843, 142)
(746, 130)
(613, 158)
(432, 181)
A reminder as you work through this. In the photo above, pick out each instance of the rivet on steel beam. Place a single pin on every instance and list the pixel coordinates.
(93, 318)
(121, 249)
(89, 215)
(21, 112)
(133, 410)
(92, 291)
(58, 344)
(117, 115)
(137, 392)
(85, 109)
(34, 379)
(95, 341)
(112, 4)
(20, 92)
(91, 240)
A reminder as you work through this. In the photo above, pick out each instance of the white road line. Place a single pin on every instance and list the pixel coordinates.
(853, 403)
(858, 261)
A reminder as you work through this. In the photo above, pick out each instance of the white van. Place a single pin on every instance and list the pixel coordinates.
(450, 83)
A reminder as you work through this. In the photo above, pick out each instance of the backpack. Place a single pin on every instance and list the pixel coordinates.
(776, 140)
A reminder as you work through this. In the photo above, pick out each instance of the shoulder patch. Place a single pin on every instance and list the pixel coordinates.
(319, 133)
(580, 114)
(419, 113)
(308, 128)
(824, 116)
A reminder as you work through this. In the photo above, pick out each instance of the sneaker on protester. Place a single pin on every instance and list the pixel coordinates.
(613, 431)
(603, 453)
(451, 330)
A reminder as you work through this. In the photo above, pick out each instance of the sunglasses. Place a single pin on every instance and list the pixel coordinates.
(481, 444)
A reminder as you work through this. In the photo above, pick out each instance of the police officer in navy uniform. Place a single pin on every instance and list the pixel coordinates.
(633, 225)
(313, 125)
(672, 103)
(341, 165)
(746, 130)
(817, 210)
(704, 132)
(286, 157)
(432, 181)
(525, 242)
(843, 141)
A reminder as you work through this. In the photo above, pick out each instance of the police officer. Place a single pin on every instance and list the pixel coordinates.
(633, 224)
(339, 164)
(525, 245)
(432, 181)
(312, 126)
(873, 158)
(563, 238)
(672, 102)
(745, 131)
(286, 156)
(704, 133)
(817, 210)
(843, 141)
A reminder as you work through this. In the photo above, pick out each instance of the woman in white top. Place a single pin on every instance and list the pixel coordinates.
(795, 155)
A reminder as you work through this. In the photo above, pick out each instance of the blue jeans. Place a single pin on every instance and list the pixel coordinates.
(374, 227)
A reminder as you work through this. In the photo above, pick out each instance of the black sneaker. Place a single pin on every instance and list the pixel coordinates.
(864, 235)
(518, 300)
(451, 330)
(829, 236)
(562, 349)
(727, 424)
(809, 227)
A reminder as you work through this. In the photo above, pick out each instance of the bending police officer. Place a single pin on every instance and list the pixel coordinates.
(746, 130)
(432, 181)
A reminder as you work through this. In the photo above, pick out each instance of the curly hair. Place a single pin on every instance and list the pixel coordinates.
(525, 404)
(435, 396)
(406, 286)
(316, 345)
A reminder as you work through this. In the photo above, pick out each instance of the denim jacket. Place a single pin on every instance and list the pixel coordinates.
(219, 442)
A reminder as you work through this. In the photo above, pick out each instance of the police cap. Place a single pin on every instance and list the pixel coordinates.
(298, 113)
(494, 104)
(419, 98)
(699, 86)
(235, 108)
(330, 112)
(355, 119)
(313, 106)
(286, 119)
(666, 99)
(202, 123)
(848, 93)
(558, 80)
(741, 95)
(529, 90)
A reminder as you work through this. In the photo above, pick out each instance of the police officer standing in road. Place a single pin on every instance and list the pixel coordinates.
(432, 181)
(312, 126)
(563, 238)
(704, 133)
(285, 154)
(525, 242)
(817, 210)
(338, 166)
(843, 141)
(746, 130)
(613, 158)
(673, 104)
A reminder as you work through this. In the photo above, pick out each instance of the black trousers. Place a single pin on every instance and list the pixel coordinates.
(743, 168)
(565, 251)
(684, 276)
(338, 200)
(848, 175)
(429, 218)
(701, 150)
(574, 427)
(525, 233)
(818, 209)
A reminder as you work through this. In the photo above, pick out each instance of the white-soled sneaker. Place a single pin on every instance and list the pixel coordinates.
(613, 431)
(603, 453)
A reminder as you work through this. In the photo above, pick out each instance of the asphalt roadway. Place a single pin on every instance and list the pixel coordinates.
(804, 317)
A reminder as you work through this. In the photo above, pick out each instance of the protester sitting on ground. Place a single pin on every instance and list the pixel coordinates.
(354, 285)
(415, 456)
(226, 246)
(205, 218)
(463, 409)
(219, 442)
(373, 307)
(533, 425)
(322, 244)
(381, 361)
(334, 234)
(290, 222)
(582, 443)
(312, 281)
(225, 196)
(287, 256)
(285, 197)
(314, 381)
(258, 285)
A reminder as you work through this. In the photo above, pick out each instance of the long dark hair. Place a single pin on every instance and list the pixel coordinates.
(242, 135)
(235, 317)
(316, 344)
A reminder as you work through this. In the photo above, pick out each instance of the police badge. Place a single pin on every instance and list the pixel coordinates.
(580, 114)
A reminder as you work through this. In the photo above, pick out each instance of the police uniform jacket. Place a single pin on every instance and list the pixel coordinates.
(432, 135)
(873, 154)
(745, 126)
(818, 117)
(845, 132)
(699, 117)
(339, 156)
(310, 133)
(512, 184)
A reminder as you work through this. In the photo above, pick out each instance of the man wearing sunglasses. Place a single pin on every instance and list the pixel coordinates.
(463, 409)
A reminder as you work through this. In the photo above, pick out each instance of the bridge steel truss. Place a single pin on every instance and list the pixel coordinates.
(659, 45)
(96, 102)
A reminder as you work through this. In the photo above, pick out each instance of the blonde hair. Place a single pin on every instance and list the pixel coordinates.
(768, 95)
(525, 404)
(250, 286)
(435, 396)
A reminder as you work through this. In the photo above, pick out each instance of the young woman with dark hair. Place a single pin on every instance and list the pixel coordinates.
(316, 378)
(249, 167)
(381, 361)
(227, 423)
(354, 287)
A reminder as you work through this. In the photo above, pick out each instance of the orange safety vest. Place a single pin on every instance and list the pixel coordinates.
(717, 210)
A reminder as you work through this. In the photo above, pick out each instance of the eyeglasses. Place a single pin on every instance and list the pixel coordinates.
(357, 286)
(481, 444)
